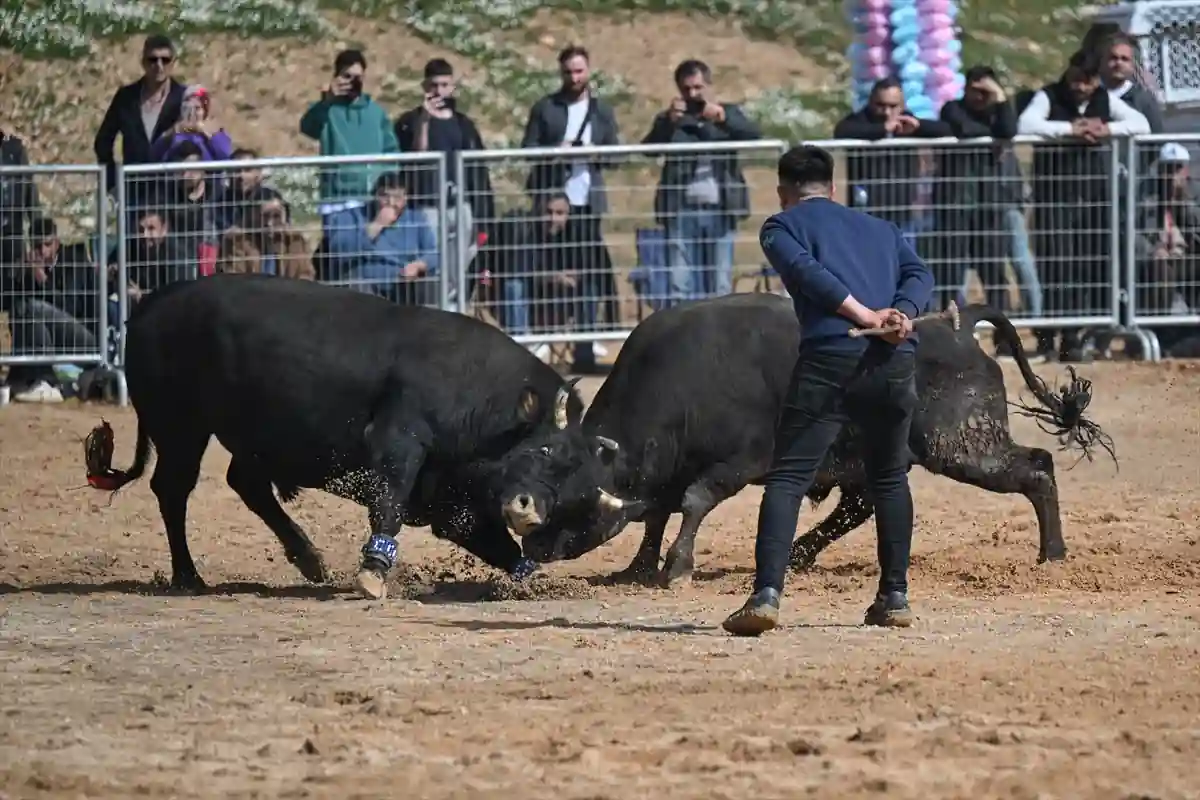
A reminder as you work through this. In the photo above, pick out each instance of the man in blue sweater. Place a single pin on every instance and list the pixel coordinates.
(844, 269)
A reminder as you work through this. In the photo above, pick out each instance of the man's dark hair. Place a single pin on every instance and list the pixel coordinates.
(157, 41)
(186, 150)
(572, 51)
(347, 59)
(890, 82)
(687, 69)
(1084, 66)
(153, 211)
(1120, 37)
(979, 72)
(437, 67)
(243, 152)
(42, 228)
(807, 167)
(389, 181)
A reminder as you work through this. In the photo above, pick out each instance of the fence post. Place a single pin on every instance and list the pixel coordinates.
(1114, 228)
(462, 246)
(122, 263)
(102, 262)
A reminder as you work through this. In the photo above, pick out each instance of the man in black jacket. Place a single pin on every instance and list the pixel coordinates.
(54, 301)
(978, 188)
(19, 203)
(437, 126)
(700, 198)
(883, 180)
(140, 112)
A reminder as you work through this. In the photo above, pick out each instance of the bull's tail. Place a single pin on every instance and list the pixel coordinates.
(98, 454)
(1060, 414)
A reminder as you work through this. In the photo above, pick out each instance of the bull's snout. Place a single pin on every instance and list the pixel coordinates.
(521, 514)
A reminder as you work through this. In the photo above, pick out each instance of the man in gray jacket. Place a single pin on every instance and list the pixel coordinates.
(701, 197)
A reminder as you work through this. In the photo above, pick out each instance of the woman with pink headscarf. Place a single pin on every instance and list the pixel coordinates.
(195, 125)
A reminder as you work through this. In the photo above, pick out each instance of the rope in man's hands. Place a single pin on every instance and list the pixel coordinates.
(951, 313)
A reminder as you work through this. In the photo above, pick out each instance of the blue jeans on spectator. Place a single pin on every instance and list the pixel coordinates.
(699, 253)
(514, 306)
(1021, 256)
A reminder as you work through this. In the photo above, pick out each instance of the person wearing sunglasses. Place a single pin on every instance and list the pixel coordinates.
(139, 113)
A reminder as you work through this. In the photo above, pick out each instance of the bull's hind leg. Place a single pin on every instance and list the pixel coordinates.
(644, 567)
(397, 448)
(175, 476)
(853, 509)
(254, 487)
(1028, 471)
(701, 497)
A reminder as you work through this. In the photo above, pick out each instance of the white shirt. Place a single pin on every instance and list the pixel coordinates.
(1035, 119)
(579, 183)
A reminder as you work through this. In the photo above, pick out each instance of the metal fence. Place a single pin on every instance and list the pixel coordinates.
(53, 270)
(1060, 235)
(1161, 253)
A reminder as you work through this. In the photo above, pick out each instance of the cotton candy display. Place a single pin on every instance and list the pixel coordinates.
(914, 40)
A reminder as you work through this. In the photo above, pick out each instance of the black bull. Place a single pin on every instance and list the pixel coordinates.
(408, 411)
(690, 409)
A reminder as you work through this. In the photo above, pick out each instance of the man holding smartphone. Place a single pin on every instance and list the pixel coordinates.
(701, 197)
(437, 126)
(347, 122)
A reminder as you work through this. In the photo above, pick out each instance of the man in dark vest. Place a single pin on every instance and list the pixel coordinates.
(1071, 194)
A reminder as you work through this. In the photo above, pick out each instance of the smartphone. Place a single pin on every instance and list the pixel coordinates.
(356, 84)
(695, 105)
(448, 103)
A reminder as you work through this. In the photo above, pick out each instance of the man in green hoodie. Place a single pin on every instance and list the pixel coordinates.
(348, 122)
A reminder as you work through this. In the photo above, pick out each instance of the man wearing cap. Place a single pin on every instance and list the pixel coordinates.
(843, 269)
(1168, 245)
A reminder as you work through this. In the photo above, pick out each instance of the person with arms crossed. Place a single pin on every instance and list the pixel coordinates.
(843, 269)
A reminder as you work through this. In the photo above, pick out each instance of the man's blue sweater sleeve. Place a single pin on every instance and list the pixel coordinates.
(915, 288)
(801, 272)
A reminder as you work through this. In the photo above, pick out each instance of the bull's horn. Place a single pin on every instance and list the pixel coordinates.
(611, 502)
(560, 408)
(607, 443)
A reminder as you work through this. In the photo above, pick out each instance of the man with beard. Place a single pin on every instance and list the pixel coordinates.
(1072, 173)
(575, 116)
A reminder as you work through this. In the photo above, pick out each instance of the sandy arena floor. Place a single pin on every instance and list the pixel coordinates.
(1072, 680)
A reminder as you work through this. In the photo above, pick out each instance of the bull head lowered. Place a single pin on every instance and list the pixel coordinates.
(556, 469)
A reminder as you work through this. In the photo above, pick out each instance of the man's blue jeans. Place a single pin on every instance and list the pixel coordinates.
(700, 253)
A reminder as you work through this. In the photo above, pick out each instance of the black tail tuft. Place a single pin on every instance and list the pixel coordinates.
(1061, 416)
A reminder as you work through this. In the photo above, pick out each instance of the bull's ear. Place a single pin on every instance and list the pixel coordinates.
(528, 405)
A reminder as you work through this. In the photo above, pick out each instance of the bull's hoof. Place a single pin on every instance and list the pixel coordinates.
(187, 583)
(639, 573)
(310, 565)
(1052, 554)
(803, 557)
(370, 585)
(675, 572)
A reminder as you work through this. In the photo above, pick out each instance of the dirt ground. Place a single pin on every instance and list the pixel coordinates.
(1073, 680)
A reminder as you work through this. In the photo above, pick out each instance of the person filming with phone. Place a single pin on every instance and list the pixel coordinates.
(701, 198)
(438, 126)
(347, 122)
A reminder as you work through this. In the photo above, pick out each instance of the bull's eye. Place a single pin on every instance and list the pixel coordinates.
(547, 450)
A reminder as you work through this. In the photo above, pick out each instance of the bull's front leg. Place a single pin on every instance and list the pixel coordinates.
(397, 454)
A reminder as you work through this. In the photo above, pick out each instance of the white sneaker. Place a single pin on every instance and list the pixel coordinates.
(599, 350)
(542, 351)
(40, 392)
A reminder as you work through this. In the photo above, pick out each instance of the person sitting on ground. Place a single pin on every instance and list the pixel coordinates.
(266, 243)
(53, 303)
(196, 126)
(385, 247)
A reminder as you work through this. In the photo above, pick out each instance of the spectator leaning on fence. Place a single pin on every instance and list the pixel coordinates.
(438, 126)
(575, 116)
(1072, 202)
(197, 126)
(156, 257)
(978, 199)
(347, 122)
(194, 202)
(52, 300)
(265, 243)
(139, 113)
(883, 180)
(386, 247)
(700, 197)
(19, 205)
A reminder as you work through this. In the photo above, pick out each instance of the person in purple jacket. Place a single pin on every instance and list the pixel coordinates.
(197, 126)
